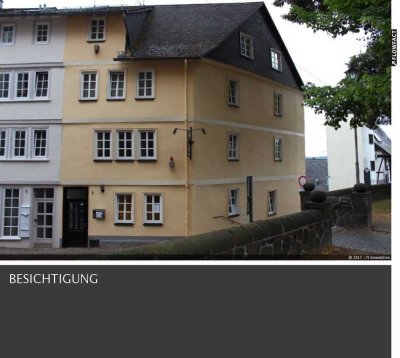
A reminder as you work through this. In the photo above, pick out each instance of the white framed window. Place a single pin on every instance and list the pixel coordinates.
(233, 208)
(89, 86)
(97, 29)
(272, 202)
(25, 85)
(233, 146)
(40, 143)
(116, 85)
(19, 147)
(11, 212)
(42, 33)
(3, 143)
(278, 149)
(278, 109)
(103, 143)
(153, 208)
(42, 84)
(24, 143)
(147, 144)
(233, 93)
(7, 34)
(22, 85)
(5, 81)
(246, 46)
(276, 60)
(145, 84)
(124, 140)
(124, 208)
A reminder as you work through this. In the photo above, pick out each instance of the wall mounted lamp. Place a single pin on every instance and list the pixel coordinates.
(102, 188)
(171, 162)
(96, 49)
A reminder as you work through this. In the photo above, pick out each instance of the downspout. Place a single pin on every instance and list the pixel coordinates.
(186, 157)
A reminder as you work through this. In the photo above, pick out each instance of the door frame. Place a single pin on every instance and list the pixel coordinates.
(85, 242)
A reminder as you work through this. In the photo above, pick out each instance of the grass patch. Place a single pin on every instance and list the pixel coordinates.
(381, 210)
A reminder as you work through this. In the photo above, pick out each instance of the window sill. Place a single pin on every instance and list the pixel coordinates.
(147, 160)
(277, 70)
(248, 57)
(123, 224)
(145, 98)
(153, 224)
(116, 99)
(102, 160)
(95, 41)
(233, 216)
(124, 160)
(278, 160)
(271, 214)
(24, 160)
(277, 115)
(10, 238)
(88, 100)
(234, 105)
(25, 100)
(233, 160)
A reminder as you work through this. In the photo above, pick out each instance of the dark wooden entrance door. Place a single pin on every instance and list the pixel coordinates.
(75, 217)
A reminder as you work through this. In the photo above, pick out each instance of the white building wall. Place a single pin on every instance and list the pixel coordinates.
(342, 157)
(29, 174)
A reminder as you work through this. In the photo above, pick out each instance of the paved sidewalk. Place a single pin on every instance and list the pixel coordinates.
(376, 240)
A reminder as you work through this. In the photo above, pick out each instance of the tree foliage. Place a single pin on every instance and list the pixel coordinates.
(368, 95)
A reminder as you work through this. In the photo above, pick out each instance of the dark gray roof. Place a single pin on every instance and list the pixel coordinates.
(185, 30)
(53, 11)
(317, 172)
(385, 143)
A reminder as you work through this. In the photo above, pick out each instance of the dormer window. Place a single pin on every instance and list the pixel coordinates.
(97, 30)
(276, 60)
(246, 46)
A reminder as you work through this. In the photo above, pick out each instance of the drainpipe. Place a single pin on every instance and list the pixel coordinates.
(185, 150)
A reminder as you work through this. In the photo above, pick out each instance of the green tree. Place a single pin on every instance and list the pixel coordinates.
(368, 94)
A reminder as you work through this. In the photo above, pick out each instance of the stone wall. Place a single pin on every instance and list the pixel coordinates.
(278, 238)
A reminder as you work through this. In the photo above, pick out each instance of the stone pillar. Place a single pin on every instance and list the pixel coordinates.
(362, 209)
(318, 202)
(305, 195)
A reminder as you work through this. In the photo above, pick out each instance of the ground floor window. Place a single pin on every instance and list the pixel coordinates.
(153, 209)
(11, 212)
(233, 202)
(272, 202)
(124, 208)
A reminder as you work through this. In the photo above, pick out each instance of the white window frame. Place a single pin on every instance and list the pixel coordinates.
(278, 148)
(2, 217)
(276, 60)
(117, 148)
(233, 98)
(96, 148)
(35, 83)
(81, 92)
(233, 203)
(28, 95)
(272, 201)
(9, 89)
(244, 38)
(26, 154)
(90, 26)
(153, 83)
(236, 150)
(278, 104)
(36, 41)
(116, 209)
(6, 140)
(46, 148)
(139, 145)
(109, 96)
(2, 26)
(161, 209)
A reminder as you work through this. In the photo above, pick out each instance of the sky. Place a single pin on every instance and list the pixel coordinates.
(318, 57)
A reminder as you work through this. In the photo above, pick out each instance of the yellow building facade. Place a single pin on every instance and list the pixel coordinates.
(125, 165)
